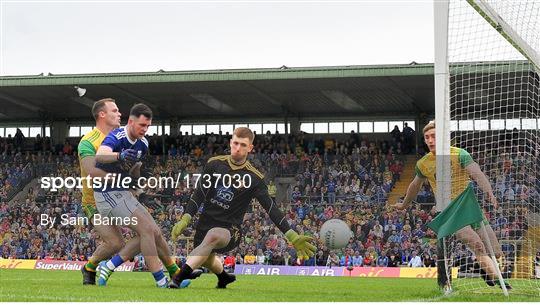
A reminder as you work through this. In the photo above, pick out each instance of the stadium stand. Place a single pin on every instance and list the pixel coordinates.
(346, 177)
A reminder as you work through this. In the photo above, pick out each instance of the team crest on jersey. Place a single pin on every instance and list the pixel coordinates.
(225, 194)
(223, 197)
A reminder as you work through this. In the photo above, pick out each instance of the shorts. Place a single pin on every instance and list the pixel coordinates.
(234, 230)
(478, 225)
(116, 203)
(89, 210)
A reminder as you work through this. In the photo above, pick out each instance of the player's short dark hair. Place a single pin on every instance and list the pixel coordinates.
(244, 132)
(140, 109)
(100, 105)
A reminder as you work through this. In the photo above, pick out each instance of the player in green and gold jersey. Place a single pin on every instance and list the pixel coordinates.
(107, 118)
(463, 168)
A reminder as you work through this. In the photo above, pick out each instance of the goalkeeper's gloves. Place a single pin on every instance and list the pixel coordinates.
(129, 155)
(301, 243)
(180, 226)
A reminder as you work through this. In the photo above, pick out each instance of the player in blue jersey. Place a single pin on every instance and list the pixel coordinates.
(120, 154)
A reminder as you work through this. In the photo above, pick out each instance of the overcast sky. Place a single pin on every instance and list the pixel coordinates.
(93, 36)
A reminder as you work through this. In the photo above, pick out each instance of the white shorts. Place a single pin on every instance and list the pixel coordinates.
(116, 203)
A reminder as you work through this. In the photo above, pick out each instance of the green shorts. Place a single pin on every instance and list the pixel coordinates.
(478, 225)
(89, 211)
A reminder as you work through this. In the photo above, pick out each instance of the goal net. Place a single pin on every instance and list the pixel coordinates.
(491, 108)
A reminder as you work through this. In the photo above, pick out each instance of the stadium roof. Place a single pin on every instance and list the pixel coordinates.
(311, 92)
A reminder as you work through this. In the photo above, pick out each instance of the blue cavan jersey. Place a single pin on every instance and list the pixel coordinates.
(118, 141)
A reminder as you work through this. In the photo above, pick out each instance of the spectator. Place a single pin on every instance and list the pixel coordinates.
(406, 258)
(333, 260)
(408, 137)
(346, 259)
(416, 261)
(396, 134)
(19, 138)
(368, 259)
(382, 261)
(287, 258)
(238, 259)
(393, 260)
(229, 263)
(358, 260)
(260, 258)
(295, 195)
(277, 259)
(377, 230)
(272, 190)
(331, 190)
(321, 258)
(428, 261)
(249, 259)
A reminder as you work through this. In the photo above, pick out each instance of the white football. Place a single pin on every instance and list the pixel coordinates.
(335, 234)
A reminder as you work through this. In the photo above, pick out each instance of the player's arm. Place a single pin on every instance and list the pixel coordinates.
(87, 155)
(106, 153)
(412, 191)
(192, 207)
(89, 165)
(473, 169)
(476, 173)
(301, 243)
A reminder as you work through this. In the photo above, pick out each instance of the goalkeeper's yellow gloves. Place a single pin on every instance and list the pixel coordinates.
(304, 249)
(180, 226)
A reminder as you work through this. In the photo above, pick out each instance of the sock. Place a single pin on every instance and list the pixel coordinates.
(223, 276)
(114, 262)
(91, 265)
(160, 278)
(172, 269)
(185, 273)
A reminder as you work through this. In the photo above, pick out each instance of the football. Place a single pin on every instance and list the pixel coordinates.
(335, 234)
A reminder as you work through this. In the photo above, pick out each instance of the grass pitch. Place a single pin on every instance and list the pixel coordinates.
(41, 285)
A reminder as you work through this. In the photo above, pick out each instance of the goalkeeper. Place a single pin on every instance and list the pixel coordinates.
(218, 229)
(462, 195)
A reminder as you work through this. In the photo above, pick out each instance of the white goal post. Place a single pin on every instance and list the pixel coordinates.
(487, 101)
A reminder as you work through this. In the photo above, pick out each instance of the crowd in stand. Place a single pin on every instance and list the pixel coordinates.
(13, 173)
(346, 178)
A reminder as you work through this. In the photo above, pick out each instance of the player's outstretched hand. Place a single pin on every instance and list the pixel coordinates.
(128, 155)
(301, 243)
(180, 226)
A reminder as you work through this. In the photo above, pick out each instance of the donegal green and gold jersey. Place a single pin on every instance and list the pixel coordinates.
(88, 146)
(459, 159)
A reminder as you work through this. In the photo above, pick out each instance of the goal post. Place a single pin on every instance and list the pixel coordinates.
(487, 102)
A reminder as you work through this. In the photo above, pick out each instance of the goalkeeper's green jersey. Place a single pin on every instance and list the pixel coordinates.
(459, 159)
